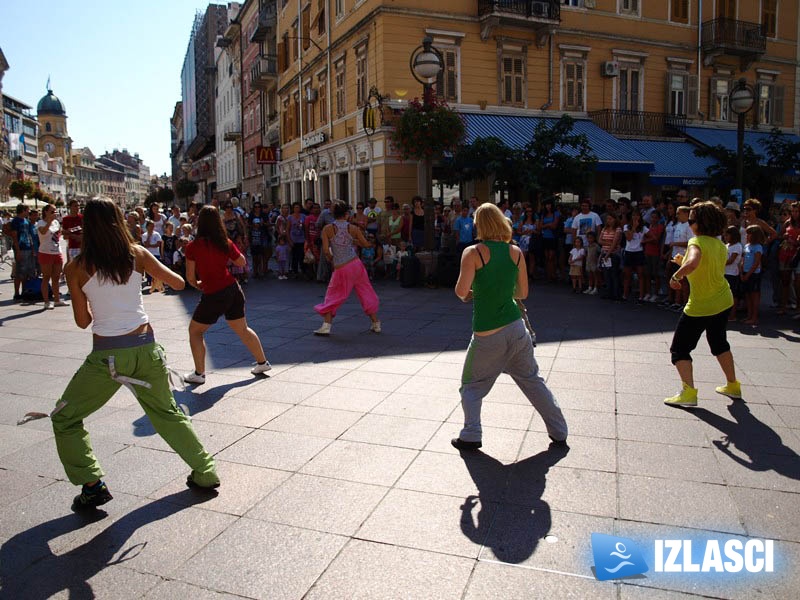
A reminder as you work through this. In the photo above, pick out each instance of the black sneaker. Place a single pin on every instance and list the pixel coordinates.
(91, 497)
(462, 445)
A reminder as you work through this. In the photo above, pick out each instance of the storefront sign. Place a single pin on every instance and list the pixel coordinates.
(267, 155)
(314, 139)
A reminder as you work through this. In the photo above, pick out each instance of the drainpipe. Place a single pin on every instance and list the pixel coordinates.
(300, 99)
(699, 57)
(549, 102)
(328, 78)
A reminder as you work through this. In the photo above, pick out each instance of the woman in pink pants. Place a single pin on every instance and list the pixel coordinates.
(338, 241)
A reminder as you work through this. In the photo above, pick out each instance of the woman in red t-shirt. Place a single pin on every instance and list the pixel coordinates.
(207, 269)
(790, 246)
(652, 255)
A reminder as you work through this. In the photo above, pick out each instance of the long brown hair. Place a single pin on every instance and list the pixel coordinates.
(211, 230)
(107, 245)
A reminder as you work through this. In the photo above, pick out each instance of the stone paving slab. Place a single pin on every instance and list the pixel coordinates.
(339, 480)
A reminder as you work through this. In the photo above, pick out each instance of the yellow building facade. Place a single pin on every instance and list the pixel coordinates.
(630, 67)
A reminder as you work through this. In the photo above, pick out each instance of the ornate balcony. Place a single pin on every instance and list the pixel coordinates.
(734, 38)
(636, 123)
(543, 16)
(264, 72)
(267, 21)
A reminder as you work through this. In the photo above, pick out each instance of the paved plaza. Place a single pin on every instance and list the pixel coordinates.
(338, 478)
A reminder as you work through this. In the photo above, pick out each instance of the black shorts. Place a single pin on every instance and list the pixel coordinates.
(633, 260)
(752, 285)
(735, 284)
(257, 250)
(549, 244)
(228, 302)
(689, 330)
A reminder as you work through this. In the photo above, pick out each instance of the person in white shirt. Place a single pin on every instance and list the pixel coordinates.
(157, 218)
(151, 240)
(633, 258)
(585, 221)
(50, 259)
(733, 266)
(681, 234)
(175, 219)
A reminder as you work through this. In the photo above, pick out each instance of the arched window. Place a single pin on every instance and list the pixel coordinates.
(47, 127)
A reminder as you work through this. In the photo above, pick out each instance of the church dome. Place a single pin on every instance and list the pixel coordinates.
(50, 105)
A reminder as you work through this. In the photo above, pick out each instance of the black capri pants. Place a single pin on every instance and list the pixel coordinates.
(689, 330)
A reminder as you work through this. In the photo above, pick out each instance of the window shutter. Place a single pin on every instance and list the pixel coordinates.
(281, 57)
(668, 95)
(579, 87)
(777, 104)
(518, 78)
(441, 90)
(691, 96)
(569, 91)
(452, 87)
(306, 28)
(712, 99)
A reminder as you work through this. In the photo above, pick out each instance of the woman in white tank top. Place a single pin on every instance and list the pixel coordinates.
(105, 284)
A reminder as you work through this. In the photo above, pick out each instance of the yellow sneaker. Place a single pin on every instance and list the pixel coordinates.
(687, 397)
(732, 389)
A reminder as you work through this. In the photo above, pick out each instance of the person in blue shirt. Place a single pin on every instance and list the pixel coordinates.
(751, 273)
(22, 240)
(464, 229)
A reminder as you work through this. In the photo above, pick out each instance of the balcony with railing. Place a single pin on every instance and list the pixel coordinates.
(636, 123)
(267, 21)
(264, 72)
(733, 37)
(543, 16)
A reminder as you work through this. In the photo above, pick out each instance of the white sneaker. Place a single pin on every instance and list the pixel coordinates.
(48, 304)
(60, 303)
(324, 330)
(193, 377)
(259, 369)
(594, 292)
(588, 291)
(375, 327)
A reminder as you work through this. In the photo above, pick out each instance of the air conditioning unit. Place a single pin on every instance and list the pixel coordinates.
(311, 95)
(540, 9)
(611, 68)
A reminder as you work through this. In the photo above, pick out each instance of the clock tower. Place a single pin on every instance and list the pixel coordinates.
(53, 136)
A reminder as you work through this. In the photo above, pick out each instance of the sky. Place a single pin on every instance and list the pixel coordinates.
(115, 65)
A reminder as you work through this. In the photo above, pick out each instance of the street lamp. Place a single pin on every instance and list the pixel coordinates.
(742, 98)
(426, 63)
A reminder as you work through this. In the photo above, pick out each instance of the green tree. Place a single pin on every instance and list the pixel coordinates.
(19, 188)
(165, 196)
(186, 189)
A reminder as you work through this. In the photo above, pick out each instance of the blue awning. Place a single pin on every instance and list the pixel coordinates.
(727, 137)
(516, 131)
(675, 162)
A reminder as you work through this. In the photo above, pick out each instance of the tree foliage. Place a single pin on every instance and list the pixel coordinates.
(555, 159)
(426, 130)
(19, 188)
(165, 196)
(186, 188)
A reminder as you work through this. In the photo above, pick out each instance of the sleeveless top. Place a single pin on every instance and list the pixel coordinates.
(394, 223)
(493, 289)
(342, 244)
(116, 309)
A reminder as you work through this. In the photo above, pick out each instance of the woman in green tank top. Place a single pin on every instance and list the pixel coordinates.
(493, 274)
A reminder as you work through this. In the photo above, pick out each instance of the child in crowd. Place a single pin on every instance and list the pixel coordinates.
(170, 244)
(733, 266)
(592, 261)
(401, 254)
(681, 234)
(282, 256)
(577, 256)
(154, 244)
(389, 257)
(186, 231)
(179, 256)
(751, 273)
(369, 256)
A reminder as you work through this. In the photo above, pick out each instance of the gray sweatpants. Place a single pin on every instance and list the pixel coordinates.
(509, 350)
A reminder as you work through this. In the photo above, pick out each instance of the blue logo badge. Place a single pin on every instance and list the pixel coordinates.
(616, 557)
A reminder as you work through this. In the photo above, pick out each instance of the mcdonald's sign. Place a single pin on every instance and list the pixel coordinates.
(267, 155)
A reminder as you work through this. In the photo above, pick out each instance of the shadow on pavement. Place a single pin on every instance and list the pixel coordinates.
(527, 515)
(191, 403)
(762, 445)
(28, 569)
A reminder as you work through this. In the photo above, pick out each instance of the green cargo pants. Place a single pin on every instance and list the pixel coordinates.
(92, 386)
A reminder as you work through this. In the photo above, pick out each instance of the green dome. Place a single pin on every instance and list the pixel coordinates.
(50, 105)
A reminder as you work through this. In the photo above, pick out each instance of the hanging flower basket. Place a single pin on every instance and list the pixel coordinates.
(427, 131)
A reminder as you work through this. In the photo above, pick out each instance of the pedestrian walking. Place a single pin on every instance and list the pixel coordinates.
(710, 301)
(105, 285)
(338, 241)
(493, 275)
(207, 269)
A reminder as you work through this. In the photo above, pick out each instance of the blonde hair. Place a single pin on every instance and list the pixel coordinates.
(492, 224)
(683, 209)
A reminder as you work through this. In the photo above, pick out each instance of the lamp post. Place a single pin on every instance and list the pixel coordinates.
(426, 63)
(741, 101)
